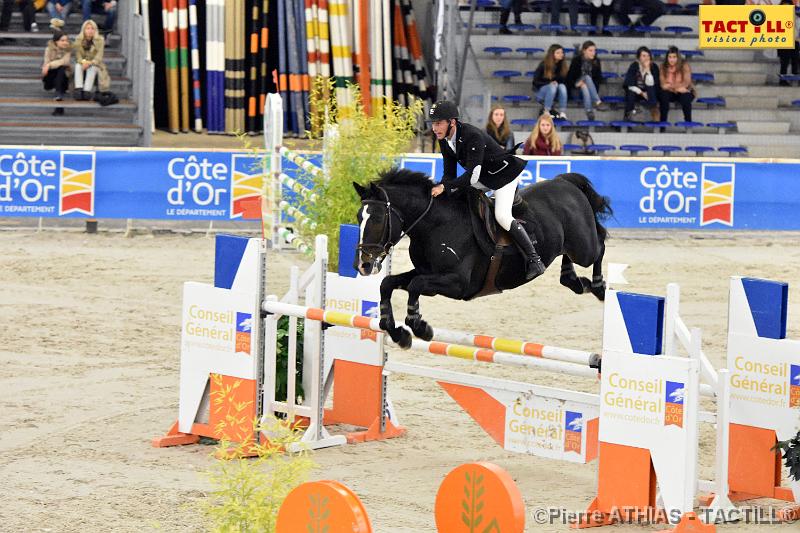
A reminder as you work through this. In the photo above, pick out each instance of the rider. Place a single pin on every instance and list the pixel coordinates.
(487, 166)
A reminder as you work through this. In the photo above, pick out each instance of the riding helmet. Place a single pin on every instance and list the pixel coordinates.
(443, 110)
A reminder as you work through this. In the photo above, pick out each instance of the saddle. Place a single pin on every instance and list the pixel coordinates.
(492, 239)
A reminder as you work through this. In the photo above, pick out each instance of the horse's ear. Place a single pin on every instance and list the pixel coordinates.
(362, 191)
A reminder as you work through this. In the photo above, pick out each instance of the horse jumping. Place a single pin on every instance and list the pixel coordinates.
(564, 214)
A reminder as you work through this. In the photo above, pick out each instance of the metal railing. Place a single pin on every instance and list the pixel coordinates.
(138, 67)
(458, 74)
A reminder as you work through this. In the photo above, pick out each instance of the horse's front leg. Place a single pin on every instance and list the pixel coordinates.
(400, 281)
(450, 285)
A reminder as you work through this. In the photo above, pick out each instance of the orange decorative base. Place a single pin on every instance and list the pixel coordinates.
(174, 438)
(374, 432)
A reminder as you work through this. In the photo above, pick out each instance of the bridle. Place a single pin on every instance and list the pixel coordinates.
(376, 251)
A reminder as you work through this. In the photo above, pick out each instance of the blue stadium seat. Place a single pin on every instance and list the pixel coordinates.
(584, 28)
(568, 50)
(678, 30)
(525, 122)
(712, 101)
(530, 51)
(689, 126)
(634, 149)
(610, 75)
(721, 126)
(623, 53)
(733, 150)
(562, 122)
(657, 124)
(616, 29)
(600, 148)
(485, 3)
(692, 53)
(790, 77)
(570, 147)
(647, 29)
(516, 99)
(552, 27)
(601, 51)
(699, 150)
(691, 9)
(506, 74)
(497, 50)
(613, 100)
(530, 73)
(658, 52)
(796, 103)
(624, 124)
(488, 26)
(666, 149)
(591, 124)
(522, 27)
(702, 77)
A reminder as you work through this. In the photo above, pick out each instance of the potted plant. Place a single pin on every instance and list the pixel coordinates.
(791, 455)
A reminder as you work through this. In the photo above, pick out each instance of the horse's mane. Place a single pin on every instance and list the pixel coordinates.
(404, 177)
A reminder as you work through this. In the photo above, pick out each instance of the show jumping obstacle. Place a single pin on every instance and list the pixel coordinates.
(645, 441)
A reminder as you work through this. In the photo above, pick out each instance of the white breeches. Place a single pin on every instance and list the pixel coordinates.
(503, 202)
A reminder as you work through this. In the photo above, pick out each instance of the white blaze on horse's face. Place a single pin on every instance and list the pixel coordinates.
(365, 265)
(364, 218)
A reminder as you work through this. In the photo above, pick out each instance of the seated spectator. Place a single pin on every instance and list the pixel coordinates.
(544, 139)
(789, 56)
(555, 12)
(641, 84)
(59, 11)
(56, 69)
(652, 10)
(498, 129)
(549, 80)
(585, 74)
(676, 84)
(598, 8)
(505, 11)
(89, 64)
(28, 13)
(107, 7)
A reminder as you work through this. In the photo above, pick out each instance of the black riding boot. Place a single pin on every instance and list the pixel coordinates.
(533, 263)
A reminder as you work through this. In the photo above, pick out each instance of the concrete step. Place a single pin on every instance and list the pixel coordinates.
(739, 77)
(615, 63)
(759, 127)
(775, 146)
(44, 115)
(39, 39)
(30, 62)
(31, 86)
(22, 106)
(70, 134)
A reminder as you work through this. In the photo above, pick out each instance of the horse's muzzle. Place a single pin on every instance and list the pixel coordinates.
(368, 268)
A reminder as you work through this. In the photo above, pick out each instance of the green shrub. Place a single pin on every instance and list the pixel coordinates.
(357, 147)
(282, 357)
(247, 492)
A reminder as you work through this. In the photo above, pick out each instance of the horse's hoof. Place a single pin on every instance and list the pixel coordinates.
(384, 324)
(426, 333)
(599, 291)
(403, 339)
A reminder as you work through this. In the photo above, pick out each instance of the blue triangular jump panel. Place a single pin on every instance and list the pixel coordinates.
(228, 253)
(644, 320)
(348, 242)
(768, 301)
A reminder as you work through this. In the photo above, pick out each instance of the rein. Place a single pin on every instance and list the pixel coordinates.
(387, 227)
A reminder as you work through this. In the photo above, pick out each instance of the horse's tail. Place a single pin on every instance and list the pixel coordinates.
(601, 205)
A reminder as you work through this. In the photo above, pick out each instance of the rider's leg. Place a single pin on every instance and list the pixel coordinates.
(503, 202)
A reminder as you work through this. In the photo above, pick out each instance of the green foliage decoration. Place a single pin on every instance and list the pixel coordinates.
(356, 148)
(250, 481)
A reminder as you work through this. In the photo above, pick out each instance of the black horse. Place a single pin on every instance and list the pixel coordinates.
(565, 214)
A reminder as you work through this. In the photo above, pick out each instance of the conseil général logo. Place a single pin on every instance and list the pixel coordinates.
(749, 26)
